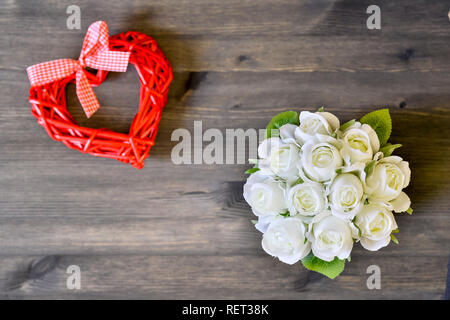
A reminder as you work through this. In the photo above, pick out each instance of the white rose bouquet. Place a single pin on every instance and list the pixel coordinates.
(318, 187)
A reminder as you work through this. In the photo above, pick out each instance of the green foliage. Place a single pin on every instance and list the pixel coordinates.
(388, 149)
(280, 120)
(369, 167)
(409, 211)
(330, 269)
(347, 125)
(380, 121)
(394, 239)
(285, 214)
(298, 181)
(252, 170)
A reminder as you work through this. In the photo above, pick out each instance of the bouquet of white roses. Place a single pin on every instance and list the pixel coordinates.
(318, 187)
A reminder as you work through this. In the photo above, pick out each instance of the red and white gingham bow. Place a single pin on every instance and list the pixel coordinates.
(94, 54)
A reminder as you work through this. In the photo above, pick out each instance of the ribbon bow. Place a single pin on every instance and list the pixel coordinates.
(94, 54)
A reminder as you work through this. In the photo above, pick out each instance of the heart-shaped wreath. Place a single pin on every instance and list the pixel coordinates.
(103, 53)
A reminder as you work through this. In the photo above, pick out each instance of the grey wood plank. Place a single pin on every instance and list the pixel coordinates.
(419, 18)
(178, 277)
(224, 232)
(224, 99)
(296, 36)
(307, 53)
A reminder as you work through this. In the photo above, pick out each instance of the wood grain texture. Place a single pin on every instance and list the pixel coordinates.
(224, 277)
(171, 231)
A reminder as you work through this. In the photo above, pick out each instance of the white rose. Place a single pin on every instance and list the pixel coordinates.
(279, 158)
(307, 199)
(387, 180)
(315, 123)
(320, 160)
(376, 223)
(360, 143)
(264, 222)
(287, 133)
(285, 239)
(265, 195)
(401, 203)
(331, 237)
(346, 196)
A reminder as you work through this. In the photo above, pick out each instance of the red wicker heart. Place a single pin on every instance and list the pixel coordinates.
(49, 105)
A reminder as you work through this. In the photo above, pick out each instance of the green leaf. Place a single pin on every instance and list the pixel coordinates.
(393, 238)
(321, 109)
(252, 170)
(388, 149)
(409, 211)
(254, 221)
(285, 214)
(380, 121)
(347, 125)
(330, 269)
(369, 167)
(280, 120)
(395, 231)
(298, 181)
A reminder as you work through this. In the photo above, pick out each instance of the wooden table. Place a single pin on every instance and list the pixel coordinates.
(183, 231)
